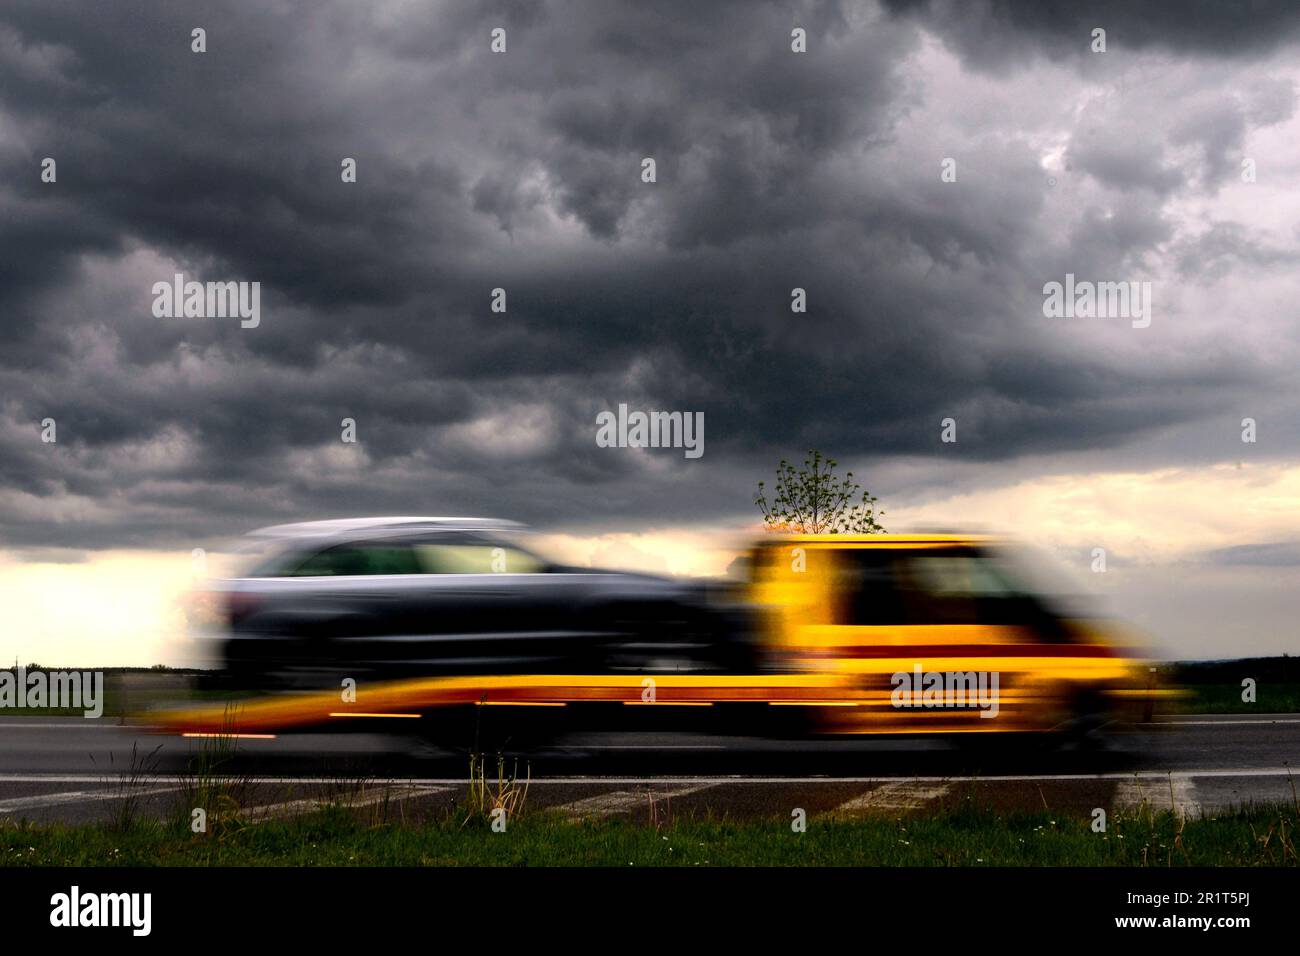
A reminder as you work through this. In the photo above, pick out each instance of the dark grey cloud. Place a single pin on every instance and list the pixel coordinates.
(993, 33)
(522, 171)
(1125, 165)
(1227, 246)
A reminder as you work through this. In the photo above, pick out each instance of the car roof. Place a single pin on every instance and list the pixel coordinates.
(351, 527)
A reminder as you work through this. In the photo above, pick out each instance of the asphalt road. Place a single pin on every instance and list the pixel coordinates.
(80, 770)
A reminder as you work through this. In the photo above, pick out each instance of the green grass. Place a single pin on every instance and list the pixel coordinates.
(1277, 698)
(963, 837)
(124, 696)
(119, 704)
(1214, 687)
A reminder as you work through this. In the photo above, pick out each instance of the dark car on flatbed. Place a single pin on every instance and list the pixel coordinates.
(384, 598)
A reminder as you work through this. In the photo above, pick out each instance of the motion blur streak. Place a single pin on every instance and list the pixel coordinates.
(831, 634)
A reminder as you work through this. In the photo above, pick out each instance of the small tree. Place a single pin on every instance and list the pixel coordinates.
(813, 500)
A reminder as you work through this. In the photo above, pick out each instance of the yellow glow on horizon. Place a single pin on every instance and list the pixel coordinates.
(1155, 516)
(126, 607)
(114, 608)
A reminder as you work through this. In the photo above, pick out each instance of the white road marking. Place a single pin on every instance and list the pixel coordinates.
(288, 808)
(607, 804)
(1171, 793)
(110, 722)
(581, 747)
(1229, 723)
(702, 780)
(88, 723)
(892, 797)
(16, 804)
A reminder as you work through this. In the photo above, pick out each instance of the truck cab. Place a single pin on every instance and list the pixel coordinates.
(936, 634)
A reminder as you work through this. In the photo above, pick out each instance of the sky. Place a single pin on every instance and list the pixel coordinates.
(921, 171)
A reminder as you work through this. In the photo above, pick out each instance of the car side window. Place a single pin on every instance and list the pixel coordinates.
(358, 558)
(478, 558)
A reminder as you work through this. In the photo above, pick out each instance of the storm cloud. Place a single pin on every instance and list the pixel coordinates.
(521, 170)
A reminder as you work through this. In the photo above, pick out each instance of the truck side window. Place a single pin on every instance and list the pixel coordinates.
(961, 587)
(868, 588)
